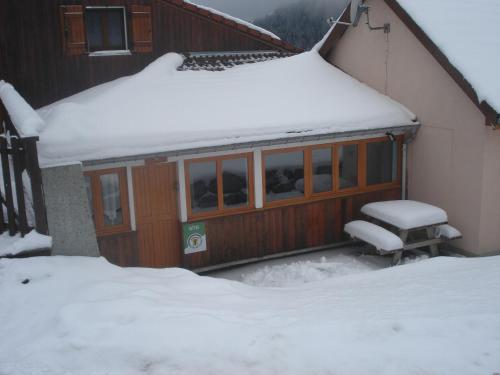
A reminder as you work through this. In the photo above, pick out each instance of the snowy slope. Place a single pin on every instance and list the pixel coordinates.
(162, 109)
(85, 316)
(468, 33)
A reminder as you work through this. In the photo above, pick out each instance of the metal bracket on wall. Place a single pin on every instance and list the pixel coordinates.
(386, 27)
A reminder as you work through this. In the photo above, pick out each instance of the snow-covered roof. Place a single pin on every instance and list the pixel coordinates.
(468, 33)
(161, 109)
(27, 122)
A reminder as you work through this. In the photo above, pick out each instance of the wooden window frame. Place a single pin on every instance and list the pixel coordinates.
(399, 150)
(307, 175)
(309, 195)
(105, 30)
(221, 210)
(96, 190)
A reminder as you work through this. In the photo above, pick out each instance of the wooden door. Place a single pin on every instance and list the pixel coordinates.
(156, 211)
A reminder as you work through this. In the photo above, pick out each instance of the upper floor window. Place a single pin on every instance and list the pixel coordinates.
(103, 30)
(106, 30)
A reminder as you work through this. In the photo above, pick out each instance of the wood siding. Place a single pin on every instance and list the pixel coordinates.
(282, 229)
(120, 249)
(158, 227)
(32, 54)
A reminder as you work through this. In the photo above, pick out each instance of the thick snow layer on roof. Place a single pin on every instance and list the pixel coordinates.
(161, 109)
(237, 20)
(27, 122)
(468, 33)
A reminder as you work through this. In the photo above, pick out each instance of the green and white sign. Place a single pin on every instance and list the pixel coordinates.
(195, 238)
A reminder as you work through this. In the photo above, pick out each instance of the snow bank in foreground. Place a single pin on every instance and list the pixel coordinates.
(85, 316)
(17, 244)
(161, 109)
(27, 122)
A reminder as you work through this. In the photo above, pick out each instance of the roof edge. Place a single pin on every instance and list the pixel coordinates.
(218, 18)
(491, 115)
(283, 141)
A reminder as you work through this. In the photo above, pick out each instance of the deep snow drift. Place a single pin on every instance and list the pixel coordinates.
(161, 109)
(85, 316)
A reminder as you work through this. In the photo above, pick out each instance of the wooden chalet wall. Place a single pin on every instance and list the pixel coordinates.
(282, 229)
(259, 233)
(33, 60)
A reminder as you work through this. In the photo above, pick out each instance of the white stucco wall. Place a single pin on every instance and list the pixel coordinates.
(454, 159)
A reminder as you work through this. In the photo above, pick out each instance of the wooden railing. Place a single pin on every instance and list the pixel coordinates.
(21, 178)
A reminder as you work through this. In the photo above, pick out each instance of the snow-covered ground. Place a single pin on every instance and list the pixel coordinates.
(305, 268)
(70, 315)
(16, 244)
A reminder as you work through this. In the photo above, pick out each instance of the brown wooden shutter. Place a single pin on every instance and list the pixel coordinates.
(142, 31)
(73, 29)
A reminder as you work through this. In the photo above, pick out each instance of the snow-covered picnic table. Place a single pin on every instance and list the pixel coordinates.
(403, 217)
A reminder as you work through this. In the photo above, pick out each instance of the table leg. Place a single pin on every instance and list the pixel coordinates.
(396, 258)
(434, 248)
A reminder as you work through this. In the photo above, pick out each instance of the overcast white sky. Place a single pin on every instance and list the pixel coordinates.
(246, 9)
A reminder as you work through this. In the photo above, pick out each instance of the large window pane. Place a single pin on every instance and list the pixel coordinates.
(94, 19)
(116, 37)
(111, 199)
(105, 29)
(235, 182)
(322, 170)
(381, 162)
(203, 185)
(348, 166)
(284, 175)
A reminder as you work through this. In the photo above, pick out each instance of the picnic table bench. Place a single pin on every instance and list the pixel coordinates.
(402, 217)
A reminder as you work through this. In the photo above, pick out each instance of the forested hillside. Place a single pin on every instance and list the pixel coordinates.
(303, 23)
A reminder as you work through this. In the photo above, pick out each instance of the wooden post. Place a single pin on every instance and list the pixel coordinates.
(17, 153)
(35, 174)
(9, 201)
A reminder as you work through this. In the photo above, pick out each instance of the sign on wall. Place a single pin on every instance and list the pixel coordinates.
(195, 238)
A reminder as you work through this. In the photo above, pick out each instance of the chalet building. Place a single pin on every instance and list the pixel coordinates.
(439, 59)
(181, 165)
(197, 162)
(52, 49)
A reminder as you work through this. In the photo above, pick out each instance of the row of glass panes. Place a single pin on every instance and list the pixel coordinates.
(284, 175)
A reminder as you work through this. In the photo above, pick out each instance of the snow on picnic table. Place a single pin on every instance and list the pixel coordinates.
(85, 316)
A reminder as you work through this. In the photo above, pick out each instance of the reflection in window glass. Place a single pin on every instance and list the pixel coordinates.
(105, 29)
(348, 166)
(115, 35)
(203, 185)
(322, 170)
(284, 175)
(235, 182)
(111, 199)
(381, 162)
(93, 19)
